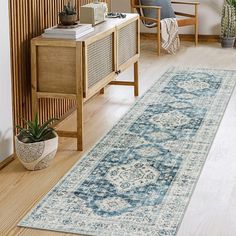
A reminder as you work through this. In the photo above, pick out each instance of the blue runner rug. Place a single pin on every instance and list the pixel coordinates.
(139, 178)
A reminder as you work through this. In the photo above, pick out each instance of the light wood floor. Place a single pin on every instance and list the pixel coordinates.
(212, 210)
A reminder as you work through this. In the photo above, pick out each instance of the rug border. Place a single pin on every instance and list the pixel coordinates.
(208, 151)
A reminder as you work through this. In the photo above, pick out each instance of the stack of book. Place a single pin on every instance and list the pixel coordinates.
(60, 32)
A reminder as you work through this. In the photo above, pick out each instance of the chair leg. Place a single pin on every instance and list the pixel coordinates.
(158, 31)
(159, 39)
(196, 32)
(196, 35)
(196, 25)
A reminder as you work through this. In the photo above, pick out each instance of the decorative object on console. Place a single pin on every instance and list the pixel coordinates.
(93, 13)
(138, 180)
(228, 24)
(116, 15)
(69, 15)
(68, 32)
(37, 144)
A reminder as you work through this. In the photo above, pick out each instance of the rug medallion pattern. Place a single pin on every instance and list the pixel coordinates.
(139, 178)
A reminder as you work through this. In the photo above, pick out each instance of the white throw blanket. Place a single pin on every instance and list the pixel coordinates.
(170, 35)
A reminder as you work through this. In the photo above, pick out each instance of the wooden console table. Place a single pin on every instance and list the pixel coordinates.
(78, 69)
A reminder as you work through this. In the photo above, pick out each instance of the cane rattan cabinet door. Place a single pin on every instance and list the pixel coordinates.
(127, 43)
(99, 63)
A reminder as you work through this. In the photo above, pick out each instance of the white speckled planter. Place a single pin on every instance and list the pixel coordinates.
(36, 156)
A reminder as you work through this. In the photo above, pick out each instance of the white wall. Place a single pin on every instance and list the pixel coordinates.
(6, 136)
(209, 15)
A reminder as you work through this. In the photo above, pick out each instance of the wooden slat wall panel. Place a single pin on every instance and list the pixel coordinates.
(28, 19)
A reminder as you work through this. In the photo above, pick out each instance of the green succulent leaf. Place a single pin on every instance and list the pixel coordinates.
(68, 9)
(34, 132)
(47, 123)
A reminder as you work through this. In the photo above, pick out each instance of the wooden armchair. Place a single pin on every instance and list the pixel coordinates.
(188, 19)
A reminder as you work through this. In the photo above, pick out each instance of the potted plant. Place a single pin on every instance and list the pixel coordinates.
(228, 24)
(69, 15)
(37, 144)
(233, 4)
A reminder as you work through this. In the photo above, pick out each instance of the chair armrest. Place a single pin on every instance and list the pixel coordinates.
(146, 7)
(184, 14)
(157, 8)
(186, 3)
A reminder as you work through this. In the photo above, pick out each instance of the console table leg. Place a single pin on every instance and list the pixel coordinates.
(79, 125)
(136, 79)
(102, 91)
(79, 96)
(34, 104)
(34, 80)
